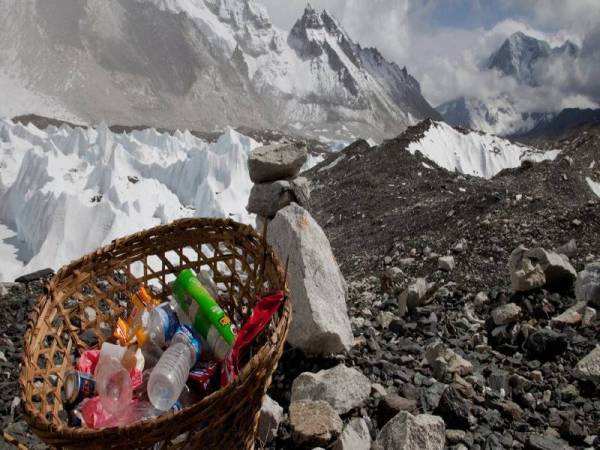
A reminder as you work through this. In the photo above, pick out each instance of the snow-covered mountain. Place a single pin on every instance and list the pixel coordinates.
(65, 191)
(523, 58)
(520, 56)
(495, 114)
(473, 153)
(198, 64)
(564, 122)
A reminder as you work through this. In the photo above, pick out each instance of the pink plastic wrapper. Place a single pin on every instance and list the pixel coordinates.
(87, 361)
(91, 409)
(95, 416)
(261, 315)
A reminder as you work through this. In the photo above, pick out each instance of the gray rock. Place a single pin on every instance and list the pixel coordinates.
(558, 270)
(408, 432)
(406, 262)
(378, 390)
(276, 162)
(314, 422)
(524, 274)
(446, 263)
(505, 314)
(385, 318)
(35, 276)
(589, 315)
(569, 249)
(321, 325)
(460, 246)
(589, 367)
(455, 362)
(481, 298)
(5, 288)
(391, 405)
(301, 188)
(546, 442)
(271, 415)
(570, 316)
(456, 436)
(412, 296)
(268, 198)
(344, 388)
(356, 436)
(587, 286)
(394, 273)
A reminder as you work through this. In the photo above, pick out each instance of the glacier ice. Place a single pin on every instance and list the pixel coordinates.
(66, 191)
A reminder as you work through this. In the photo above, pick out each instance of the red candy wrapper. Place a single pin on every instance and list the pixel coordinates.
(202, 374)
(256, 323)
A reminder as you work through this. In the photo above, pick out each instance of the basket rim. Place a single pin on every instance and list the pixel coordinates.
(40, 424)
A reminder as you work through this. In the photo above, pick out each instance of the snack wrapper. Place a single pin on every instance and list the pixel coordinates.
(202, 374)
(261, 315)
(126, 330)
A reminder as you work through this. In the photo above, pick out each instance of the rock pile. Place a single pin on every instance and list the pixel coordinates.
(458, 370)
(320, 325)
(274, 170)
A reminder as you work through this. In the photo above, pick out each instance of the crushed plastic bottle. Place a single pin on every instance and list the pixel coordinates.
(168, 378)
(113, 381)
(162, 324)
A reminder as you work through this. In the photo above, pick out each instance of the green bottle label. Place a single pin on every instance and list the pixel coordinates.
(203, 311)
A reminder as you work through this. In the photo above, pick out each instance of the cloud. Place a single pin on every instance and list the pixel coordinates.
(576, 16)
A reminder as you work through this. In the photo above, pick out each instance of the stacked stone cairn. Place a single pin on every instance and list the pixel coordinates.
(274, 171)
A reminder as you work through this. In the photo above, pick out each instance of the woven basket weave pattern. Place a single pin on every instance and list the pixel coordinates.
(83, 300)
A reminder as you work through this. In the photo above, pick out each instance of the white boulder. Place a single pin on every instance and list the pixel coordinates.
(356, 436)
(320, 323)
(407, 432)
(344, 388)
(271, 415)
(587, 286)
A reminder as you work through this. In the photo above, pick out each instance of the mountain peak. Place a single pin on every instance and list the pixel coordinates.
(517, 56)
(518, 36)
(520, 53)
(310, 18)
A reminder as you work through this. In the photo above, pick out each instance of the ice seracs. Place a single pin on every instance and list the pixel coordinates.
(65, 191)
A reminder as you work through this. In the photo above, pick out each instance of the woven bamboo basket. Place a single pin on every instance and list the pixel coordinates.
(83, 300)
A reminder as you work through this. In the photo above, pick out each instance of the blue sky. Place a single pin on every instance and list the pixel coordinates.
(444, 42)
(469, 14)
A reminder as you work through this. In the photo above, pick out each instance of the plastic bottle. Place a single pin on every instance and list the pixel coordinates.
(160, 328)
(162, 324)
(168, 378)
(205, 315)
(113, 382)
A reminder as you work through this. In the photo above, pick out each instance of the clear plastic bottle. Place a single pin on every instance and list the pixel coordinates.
(159, 330)
(113, 382)
(168, 378)
(162, 324)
